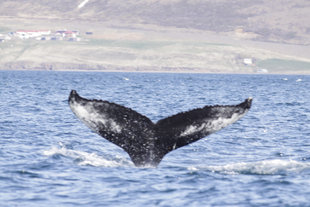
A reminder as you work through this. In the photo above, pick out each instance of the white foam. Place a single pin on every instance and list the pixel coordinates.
(81, 5)
(266, 167)
(85, 158)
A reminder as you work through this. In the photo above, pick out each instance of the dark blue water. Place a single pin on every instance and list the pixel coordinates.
(49, 158)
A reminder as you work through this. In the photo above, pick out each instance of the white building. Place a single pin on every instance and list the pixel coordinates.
(248, 61)
(26, 34)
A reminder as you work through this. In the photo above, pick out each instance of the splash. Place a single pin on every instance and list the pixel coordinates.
(85, 158)
(126, 79)
(266, 167)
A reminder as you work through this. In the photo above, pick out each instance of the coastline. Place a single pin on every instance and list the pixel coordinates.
(112, 49)
(157, 71)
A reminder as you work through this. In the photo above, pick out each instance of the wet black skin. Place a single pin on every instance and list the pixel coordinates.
(147, 142)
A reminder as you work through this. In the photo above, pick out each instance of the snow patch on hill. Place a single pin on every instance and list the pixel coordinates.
(81, 5)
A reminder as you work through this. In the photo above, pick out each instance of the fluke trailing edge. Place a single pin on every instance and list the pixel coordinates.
(147, 142)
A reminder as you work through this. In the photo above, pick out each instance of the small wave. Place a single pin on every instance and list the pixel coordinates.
(126, 79)
(85, 158)
(266, 167)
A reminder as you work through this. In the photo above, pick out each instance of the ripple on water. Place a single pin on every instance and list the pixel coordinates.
(49, 158)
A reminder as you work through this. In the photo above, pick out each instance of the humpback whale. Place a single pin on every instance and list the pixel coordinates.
(146, 142)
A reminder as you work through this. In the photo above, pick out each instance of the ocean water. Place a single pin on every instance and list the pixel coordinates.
(49, 158)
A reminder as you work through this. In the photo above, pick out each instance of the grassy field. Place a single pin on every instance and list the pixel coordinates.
(285, 66)
(144, 55)
(137, 50)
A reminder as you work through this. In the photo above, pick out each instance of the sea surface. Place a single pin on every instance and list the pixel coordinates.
(49, 158)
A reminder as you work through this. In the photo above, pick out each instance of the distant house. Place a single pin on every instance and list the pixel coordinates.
(88, 33)
(60, 32)
(67, 33)
(25, 34)
(248, 61)
(72, 34)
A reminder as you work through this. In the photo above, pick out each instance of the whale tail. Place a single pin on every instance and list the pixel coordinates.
(147, 142)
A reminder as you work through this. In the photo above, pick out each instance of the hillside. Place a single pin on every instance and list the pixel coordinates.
(202, 35)
(280, 21)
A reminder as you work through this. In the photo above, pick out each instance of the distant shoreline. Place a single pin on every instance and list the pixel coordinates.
(155, 71)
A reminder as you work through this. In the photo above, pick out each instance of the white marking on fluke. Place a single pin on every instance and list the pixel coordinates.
(91, 118)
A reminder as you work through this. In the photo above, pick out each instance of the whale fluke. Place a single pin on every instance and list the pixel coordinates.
(147, 142)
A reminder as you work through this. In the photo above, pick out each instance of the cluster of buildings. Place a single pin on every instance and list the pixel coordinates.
(66, 35)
